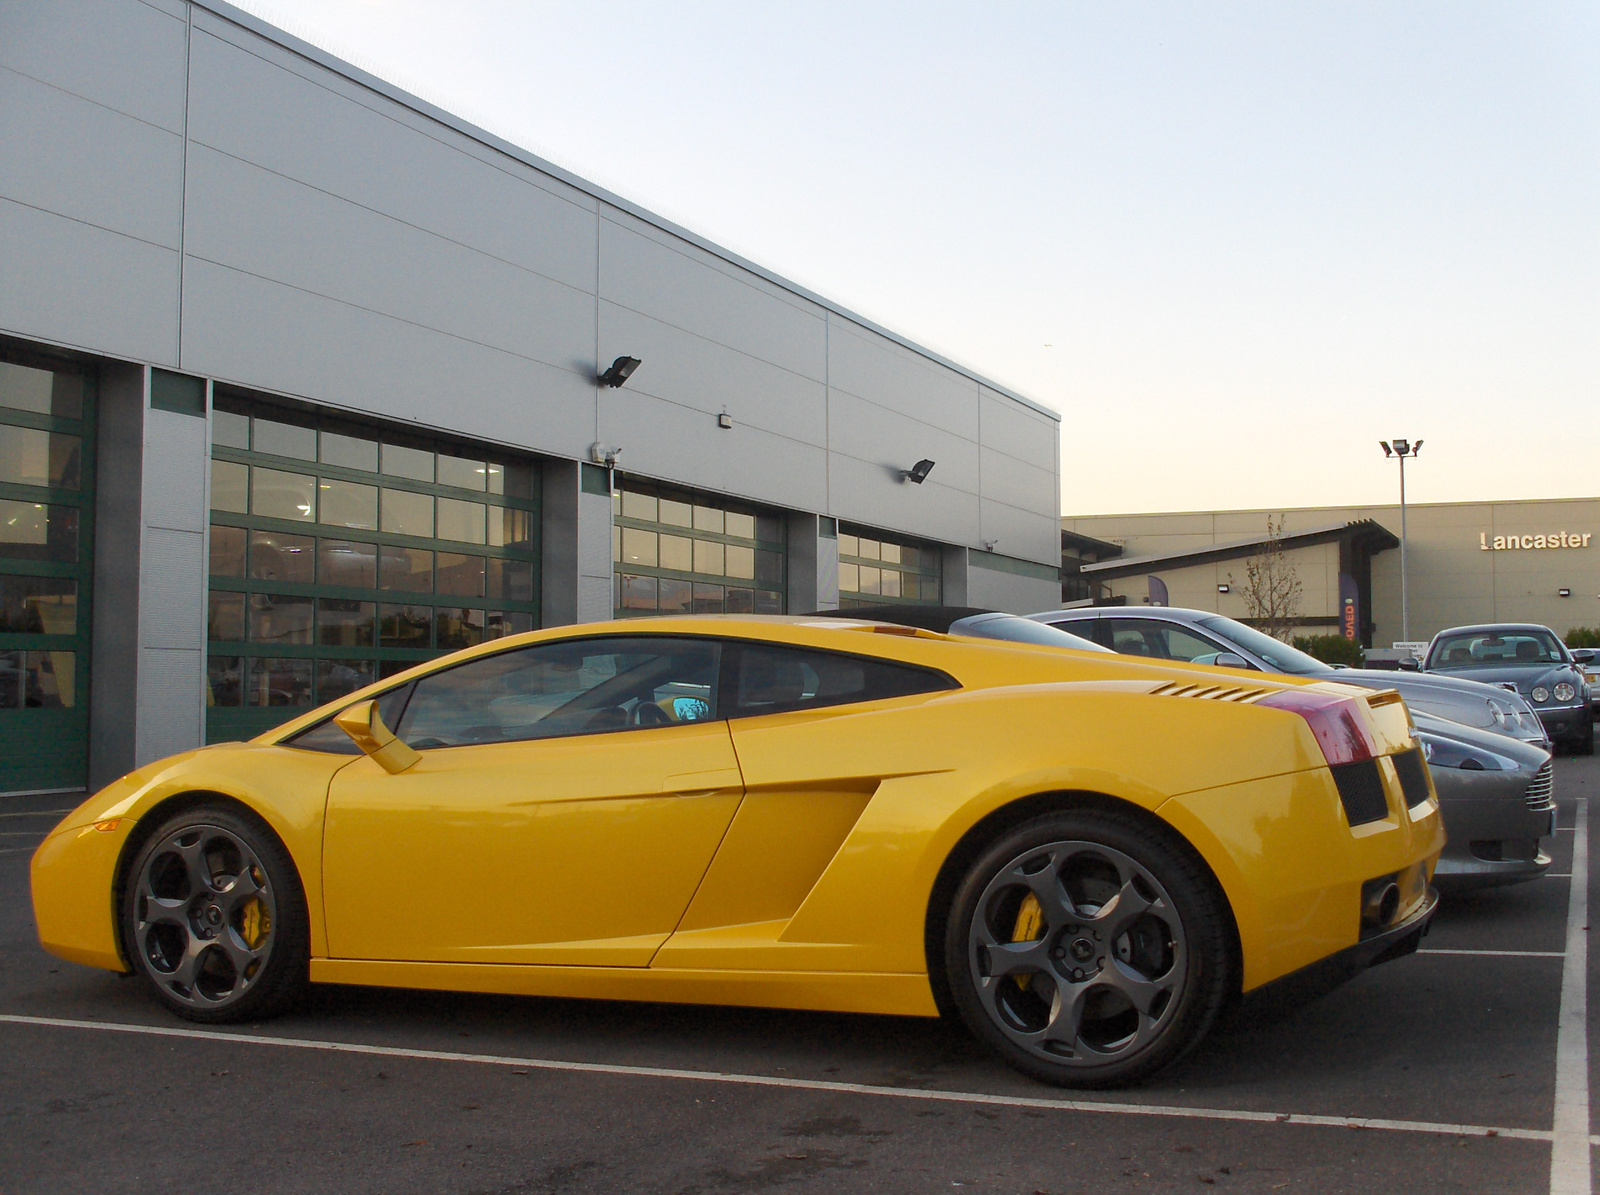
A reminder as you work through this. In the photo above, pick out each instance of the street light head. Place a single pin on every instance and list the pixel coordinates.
(1387, 451)
(1402, 447)
(1416, 448)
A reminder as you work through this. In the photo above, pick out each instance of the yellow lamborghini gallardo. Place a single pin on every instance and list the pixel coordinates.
(1083, 856)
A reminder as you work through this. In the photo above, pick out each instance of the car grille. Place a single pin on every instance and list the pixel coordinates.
(1361, 790)
(1541, 792)
(1413, 775)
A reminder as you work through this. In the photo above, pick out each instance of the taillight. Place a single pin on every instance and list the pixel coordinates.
(1336, 721)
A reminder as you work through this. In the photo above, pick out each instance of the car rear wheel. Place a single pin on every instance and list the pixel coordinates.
(1089, 948)
(214, 918)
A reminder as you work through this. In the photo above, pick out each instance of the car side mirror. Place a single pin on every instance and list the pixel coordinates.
(366, 729)
(1583, 655)
(1230, 659)
(1410, 664)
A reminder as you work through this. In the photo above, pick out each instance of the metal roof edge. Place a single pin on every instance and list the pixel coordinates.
(355, 74)
(1242, 547)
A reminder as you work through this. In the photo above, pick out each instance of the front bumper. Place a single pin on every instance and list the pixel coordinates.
(1493, 842)
(1566, 723)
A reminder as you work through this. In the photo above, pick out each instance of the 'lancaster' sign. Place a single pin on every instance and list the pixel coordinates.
(1556, 539)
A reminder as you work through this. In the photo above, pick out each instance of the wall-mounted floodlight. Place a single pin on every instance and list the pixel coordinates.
(601, 454)
(621, 370)
(1563, 593)
(725, 421)
(1222, 589)
(918, 473)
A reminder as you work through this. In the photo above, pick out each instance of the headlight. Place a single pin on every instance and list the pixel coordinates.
(1496, 714)
(1447, 753)
(1565, 692)
(1540, 694)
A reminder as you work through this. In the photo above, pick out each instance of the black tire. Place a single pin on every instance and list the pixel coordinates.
(213, 917)
(1171, 948)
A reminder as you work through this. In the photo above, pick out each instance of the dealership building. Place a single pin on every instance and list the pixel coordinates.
(1467, 562)
(303, 381)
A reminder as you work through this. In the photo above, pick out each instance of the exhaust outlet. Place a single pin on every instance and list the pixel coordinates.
(1380, 901)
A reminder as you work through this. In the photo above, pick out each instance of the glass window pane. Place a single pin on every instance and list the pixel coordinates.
(741, 525)
(930, 589)
(638, 547)
(741, 562)
(279, 683)
(708, 556)
(285, 439)
(769, 529)
(772, 679)
(639, 506)
(910, 557)
(340, 678)
(849, 545)
(36, 531)
(616, 543)
(229, 430)
(460, 576)
(891, 553)
(49, 679)
(278, 495)
(344, 623)
(464, 522)
(515, 480)
(869, 549)
(347, 504)
(869, 579)
(891, 583)
(510, 528)
(228, 551)
(676, 553)
(11, 684)
(415, 463)
(410, 569)
(230, 487)
(347, 563)
(769, 567)
(498, 624)
(768, 602)
(280, 618)
(707, 598)
(405, 626)
(456, 629)
(349, 452)
(676, 596)
(224, 680)
(708, 518)
(511, 580)
(849, 578)
(38, 605)
(41, 391)
(463, 473)
(225, 623)
(741, 601)
(405, 513)
(275, 556)
(32, 457)
(676, 514)
(639, 594)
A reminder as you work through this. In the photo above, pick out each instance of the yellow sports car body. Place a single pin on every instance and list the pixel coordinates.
(1085, 856)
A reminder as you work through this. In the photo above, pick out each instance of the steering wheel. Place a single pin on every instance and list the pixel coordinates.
(648, 713)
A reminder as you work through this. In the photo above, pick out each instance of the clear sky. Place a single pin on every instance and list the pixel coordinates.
(1234, 244)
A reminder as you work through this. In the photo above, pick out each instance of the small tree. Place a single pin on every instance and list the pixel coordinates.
(1332, 649)
(1272, 588)
(1583, 637)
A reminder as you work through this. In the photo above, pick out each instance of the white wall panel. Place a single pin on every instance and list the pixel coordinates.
(1017, 431)
(894, 442)
(168, 722)
(1008, 480)
(1031, 534)
(860, 492)
(120, 53)
(673, 281)
(256, 332)
(995, 590)
(172, 592)
(872, 367)
(72, 283)
(254, 106)
(174, 494)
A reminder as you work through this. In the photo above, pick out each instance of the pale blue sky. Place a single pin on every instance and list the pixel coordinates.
(1234, 244)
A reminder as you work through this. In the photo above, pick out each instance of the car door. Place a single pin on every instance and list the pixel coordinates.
(568, 799)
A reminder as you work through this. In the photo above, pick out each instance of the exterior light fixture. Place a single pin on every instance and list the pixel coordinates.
(621, 370)
(1222, 589)
(600, 454)
(1401, 450)
(918, 473)
(1563, 593)
(725, 421)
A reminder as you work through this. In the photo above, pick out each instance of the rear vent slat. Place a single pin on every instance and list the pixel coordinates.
(1243, 694)
(1413, 773)
(1361, 790)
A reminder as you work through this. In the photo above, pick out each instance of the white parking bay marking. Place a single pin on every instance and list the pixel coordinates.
(1499, 953)
(1569, 1152)
(725, 1077)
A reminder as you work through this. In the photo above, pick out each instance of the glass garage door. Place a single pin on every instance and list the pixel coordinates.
(46, 529)
(880, 570)
(342, 553)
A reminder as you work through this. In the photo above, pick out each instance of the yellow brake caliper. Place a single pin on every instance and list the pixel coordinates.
(1029, 928)
(256, 924)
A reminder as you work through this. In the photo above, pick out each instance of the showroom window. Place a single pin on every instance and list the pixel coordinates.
(680, 553)
(880, 570)
(343, 553)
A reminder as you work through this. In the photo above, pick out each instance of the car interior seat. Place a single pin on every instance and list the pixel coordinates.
(1527, 649)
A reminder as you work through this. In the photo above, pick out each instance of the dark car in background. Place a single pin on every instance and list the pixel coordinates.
(1526, 659)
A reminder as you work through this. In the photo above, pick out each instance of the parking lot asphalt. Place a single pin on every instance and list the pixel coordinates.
(1463, 1068)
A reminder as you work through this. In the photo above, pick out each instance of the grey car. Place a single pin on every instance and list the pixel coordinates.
(1200, 637)
(1526, 659)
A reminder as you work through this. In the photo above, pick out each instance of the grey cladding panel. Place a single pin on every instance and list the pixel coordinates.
(248, 330)
(248, 218)
(171, 689)
(871, 367)
(866, 493)
(1008, 480)
(120, 53)
(1010, 592)
(695, 372)
(1025, 534)
(172, 589)
(79, 159)
(174, 471)
(1017, 431)
(685, 286)
(258, 109)
(75, 284)
(896, 442)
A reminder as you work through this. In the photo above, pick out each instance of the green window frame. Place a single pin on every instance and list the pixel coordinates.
(879, 569)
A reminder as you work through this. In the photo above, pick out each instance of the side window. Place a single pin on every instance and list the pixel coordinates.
(771, 679)
(1083, 628)
(553, 690)
(1161, 641)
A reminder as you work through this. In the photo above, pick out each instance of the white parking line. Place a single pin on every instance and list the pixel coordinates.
(868, 1089)
(1501, 953)
(39, 813)
(16, 850)
(1569, 1152)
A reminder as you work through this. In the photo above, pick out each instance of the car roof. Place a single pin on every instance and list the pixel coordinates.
(927, 618)
(1179, 613)
(1476, 628)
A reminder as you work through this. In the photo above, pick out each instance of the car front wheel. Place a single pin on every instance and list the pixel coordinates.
(1089, 948)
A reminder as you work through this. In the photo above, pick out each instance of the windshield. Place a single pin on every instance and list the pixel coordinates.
(1280, 657)
(1013, 629)
(1491, 649)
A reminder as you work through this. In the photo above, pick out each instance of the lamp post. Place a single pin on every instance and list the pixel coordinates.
(1403, 449)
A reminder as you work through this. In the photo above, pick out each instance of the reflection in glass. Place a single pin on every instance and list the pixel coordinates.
(38, 605)
(348, 563)
(458, 628)
(348, 504)
(509, 528)
(708, 556)
(459, 576)
(769, 529)
(869, 579)
(230, 487)
(41, 391)
(638, 594)
(279, 618)
(741, 601)
(676, 553)
(349, 452)
(224, 680)
(707, 598)
(229, 430)
(676, 514)
(891, 553)
(464, 522)
(768, 602)
(275, 556)
(414, 463)
(405, 626)
(849, 545)
(279, 682)
(511, 580)
(742, 526)
(228, 551)
(638, 547)
(38, 680)
(708, 518)
(409, 569)
(890, 583)
(279, 495)
(498, 624)
(340, 678)
(285, 439)
(639, 506)
(405, 513)
(345, 623)
(741, 562)
(36, 531)
(849, 577)
(225, 623)
(29, 456)
(463, 473)
(675, 596)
